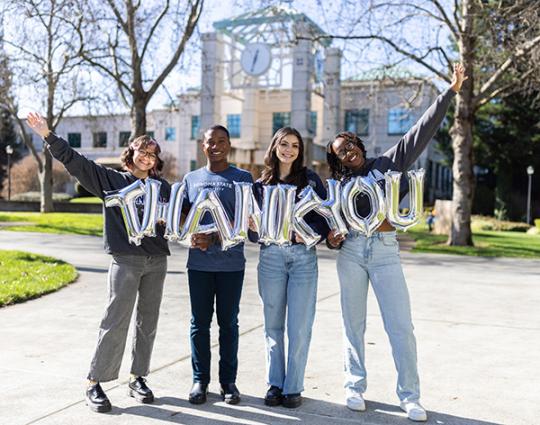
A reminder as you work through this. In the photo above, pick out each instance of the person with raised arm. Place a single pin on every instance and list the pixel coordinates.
(136, 273)
(376, 259)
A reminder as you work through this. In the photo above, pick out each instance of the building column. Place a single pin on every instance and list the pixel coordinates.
(301, 90)
(332, 93)
(211, 85)
(249, 132)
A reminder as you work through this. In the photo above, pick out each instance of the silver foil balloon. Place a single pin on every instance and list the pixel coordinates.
(150, 216)
(330, 209)
(352, 189)
(277, 214)
(246, 207)
(207, 201)
(126, 199)
(416, 198)
(174, 212)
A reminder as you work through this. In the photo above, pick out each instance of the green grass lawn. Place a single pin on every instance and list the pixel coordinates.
(25, 276)
(487, 243)
(61, 223)
(87, 200)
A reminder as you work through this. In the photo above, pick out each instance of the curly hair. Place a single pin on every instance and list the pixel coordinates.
(142, 142)
(270, 174)
(336, 167)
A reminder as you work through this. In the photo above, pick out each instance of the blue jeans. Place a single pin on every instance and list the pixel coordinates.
(288, 287)
(376, 259)
(226, 289)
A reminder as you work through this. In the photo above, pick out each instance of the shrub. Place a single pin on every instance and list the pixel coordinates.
(36, 197)
(491, 223)
(169, 171)
(24, 177)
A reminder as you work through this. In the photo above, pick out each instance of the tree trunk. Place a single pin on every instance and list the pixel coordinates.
(462, 168)
(461, 133)
(138, 118)
(46, 183)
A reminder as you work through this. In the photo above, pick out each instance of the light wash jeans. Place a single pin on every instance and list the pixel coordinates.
(376, 259)
(287, 286)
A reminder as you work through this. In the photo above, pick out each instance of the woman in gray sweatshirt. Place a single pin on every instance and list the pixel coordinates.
(375, 258)
(136, 273)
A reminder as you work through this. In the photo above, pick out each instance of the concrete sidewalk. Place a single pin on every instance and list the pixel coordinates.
(477, 324)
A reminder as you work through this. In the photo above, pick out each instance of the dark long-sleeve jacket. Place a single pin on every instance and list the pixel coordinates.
(406, 151)
(100, 181)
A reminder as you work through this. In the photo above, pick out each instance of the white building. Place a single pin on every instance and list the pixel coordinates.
(255, 81)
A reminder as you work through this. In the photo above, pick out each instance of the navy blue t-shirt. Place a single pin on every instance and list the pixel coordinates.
(214, 259)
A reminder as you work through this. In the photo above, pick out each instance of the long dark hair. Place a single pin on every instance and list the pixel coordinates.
(336, 167)
(270, 174)
(142, 142)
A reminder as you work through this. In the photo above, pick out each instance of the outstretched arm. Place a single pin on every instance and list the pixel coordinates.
(413, 143)
(95, 178)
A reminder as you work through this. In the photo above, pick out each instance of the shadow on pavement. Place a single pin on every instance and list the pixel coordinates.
(253, 411)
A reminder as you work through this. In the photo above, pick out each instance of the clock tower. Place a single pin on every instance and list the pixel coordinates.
(266, 69)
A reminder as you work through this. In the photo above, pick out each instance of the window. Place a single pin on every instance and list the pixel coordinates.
(195, 126)
(99, 139)
(123, 139)
(74, 140)
(400, 120)
(357, 121)
(170, 134)
(280, 119)
(313, 122)
(234, 124)
(192, 164)
(150, 134)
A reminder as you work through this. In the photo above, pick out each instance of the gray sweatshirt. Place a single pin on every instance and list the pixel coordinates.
(406, 151)
(100, 181)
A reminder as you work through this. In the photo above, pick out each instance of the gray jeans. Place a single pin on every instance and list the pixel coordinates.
(129, 275)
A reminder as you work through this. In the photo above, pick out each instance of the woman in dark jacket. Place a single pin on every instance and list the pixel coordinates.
(136, 273)
(287, 275)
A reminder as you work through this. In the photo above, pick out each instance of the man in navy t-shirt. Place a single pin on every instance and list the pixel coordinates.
(213, 273)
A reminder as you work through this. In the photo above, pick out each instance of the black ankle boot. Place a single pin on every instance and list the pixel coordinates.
(230, 393)
(273, 396)
(96, 399)
(198, 392)
(140, 391)
(292, 400)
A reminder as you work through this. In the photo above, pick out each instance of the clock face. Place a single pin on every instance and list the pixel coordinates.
(256, 59)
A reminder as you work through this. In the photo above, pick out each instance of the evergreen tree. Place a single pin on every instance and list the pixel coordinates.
(7, 137)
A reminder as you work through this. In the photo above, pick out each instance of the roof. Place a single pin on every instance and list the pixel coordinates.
(273, 25)
(386, 73)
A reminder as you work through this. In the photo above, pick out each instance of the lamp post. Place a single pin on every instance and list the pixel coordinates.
(530, 172)
(9, 152)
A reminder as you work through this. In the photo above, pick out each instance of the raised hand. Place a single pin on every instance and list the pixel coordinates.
(458, 77)
(38, 124)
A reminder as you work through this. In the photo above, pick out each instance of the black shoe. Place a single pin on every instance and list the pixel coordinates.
(198, 392)
(96, 399)
(230, 393)
(273, 396)
(140, 391)
(292, 400)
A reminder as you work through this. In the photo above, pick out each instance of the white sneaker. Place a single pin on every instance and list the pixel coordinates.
(415, 412)
(355, 401)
